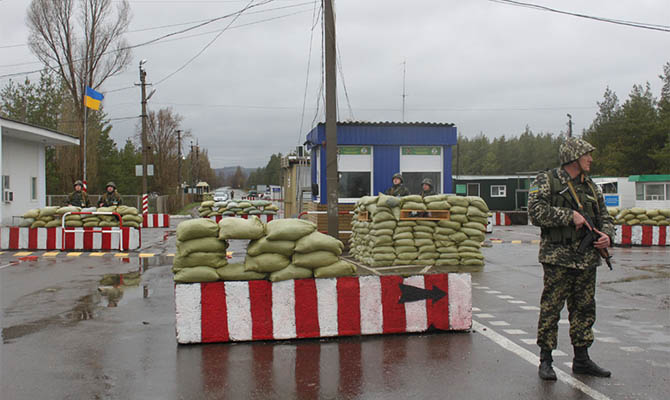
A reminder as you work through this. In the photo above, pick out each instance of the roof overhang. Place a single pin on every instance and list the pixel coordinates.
(649, 178)
(34, 133)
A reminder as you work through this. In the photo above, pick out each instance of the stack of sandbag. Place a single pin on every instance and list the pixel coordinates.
(249, 229)
(90, 220)
(29, 217)
(46, 217)
(242, 207)
(205, 208)
(130, 216)
(359, 246)
(319, 254)
(473, 227)
(641, 216)
(107, 220)
(200, 254)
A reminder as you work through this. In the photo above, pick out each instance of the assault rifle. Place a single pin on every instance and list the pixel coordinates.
(591, 237)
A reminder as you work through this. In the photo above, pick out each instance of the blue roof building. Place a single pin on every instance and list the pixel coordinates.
(369, 153)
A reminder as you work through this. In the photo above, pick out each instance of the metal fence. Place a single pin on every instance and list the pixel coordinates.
(157, 204)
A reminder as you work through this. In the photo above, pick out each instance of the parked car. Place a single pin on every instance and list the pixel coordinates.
(221, 195)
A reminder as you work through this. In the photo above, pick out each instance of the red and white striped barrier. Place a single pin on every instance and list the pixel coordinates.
(642, 235)
(310, 308)
(145, 204)
(500, 218)
(15, 238)
(264, 217)
(155, 220)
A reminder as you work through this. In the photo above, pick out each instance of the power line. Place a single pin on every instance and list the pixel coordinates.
(315, 20)
(633, 24)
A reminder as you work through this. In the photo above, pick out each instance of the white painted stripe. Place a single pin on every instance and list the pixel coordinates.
(283, 309)
(558, 353)
(59, 238)
(516, 301)
(505, 297)
(416, 317)
(608, 339)
(563, 322)
(42, 239)
(79, 240)
(97, 240)
(372, 318)
(493, 292)
(534, 360)
(476, 309)
(531, 308)
(636, 235)
(460, 301)
(515, 331)
(484, 316)
(632, 349)
(23, 238)
(529, 341)
(188, 313)
(654, 235)
(499, 323)
(114, 242)
(4, 238)
(483, 287)
(238, 307)
(617, 234)
(326, 297)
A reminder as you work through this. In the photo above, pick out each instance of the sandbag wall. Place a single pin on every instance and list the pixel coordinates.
(232, 208)
(279, 250)
(640, 216)
(52, 217)
(384, 239)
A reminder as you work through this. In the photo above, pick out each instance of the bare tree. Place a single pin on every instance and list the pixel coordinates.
(83, 43)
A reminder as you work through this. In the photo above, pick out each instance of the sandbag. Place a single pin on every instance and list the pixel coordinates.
(388, 201)
(48, 211)
(125, 210)
(196, 274)
(74, 224)
(266, 262)
(428, 256)
(426, 229)
(196, 228)
(445, 231)
(382, 240)
(236, 272)
(428, 248)
(67, 209)
(458, 237)
(26, 222)
(314, 259)
(412, 198)
(459, 201)
(107, 224)
(383, 257)
(319, 241)
(412, 205)
(435, 198)
(461, 218)
(240, 228)
(290, 272)
(472, 262)
(438, 205)
(466, 255)
(467, 249)
(407, 223)
(423, 242)
(476, 212)
(380, 232)
(431, 224)
(479, 203)
(404, 242)
(423, 235)
(206, 245)
(384, 225)
(339, 268)
(446, 262)
(381, 216)
(472, 243)
(449, 224)
(472, 232)
(53, 223)
(214, 260)
(208, 203)
(34, 213)
(289, 229)
(475, 225)
(405, 249)
(263, 245)
(91, 224)
(449, 256)
(403, 235)
(408, 256)
(402, 229)
(383, 249)
(39, 224)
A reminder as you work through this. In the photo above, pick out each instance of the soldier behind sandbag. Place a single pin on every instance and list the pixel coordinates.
(111, 196)
(558, 199)
(427, 186)
(78, 198)
(398, 189)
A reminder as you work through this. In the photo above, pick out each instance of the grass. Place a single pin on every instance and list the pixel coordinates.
(187, 209)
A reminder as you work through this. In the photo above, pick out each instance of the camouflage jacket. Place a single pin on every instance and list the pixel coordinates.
(110, 199)
(425, 193)
(78, 199)
(543, 214)
(398, 191)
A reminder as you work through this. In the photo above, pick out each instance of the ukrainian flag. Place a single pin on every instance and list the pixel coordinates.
(92, 99)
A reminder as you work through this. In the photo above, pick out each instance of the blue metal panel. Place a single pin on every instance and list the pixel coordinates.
(446, 171)
(323, 190)
(386, 163)
(392, 134)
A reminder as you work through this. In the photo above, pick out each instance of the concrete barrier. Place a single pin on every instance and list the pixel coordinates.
(265, 218)
(15, 238)
(310, 308)
(641, 235)
(155, 220)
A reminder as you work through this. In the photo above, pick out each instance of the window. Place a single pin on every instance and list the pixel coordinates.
(473, 189)
(412, 180)
(654, 191)
(498, 190)
(639, 191)
(5, 181)
(33, 188)
(354, 184)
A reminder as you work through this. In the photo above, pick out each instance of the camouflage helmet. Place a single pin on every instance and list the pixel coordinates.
(427, 181)
(397, 175)
(78, 182)
(572, 149)
(110, 183)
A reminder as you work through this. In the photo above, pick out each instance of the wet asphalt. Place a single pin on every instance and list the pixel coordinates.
(103, 328)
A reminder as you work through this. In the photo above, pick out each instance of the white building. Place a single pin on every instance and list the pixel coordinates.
(651, 191)
(23, 166)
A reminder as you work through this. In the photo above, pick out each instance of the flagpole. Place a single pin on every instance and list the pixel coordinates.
(85, 131)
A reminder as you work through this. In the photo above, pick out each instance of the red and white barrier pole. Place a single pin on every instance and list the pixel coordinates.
(145, 203)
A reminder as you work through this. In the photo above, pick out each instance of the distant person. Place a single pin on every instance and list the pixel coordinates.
(111, 197)
(558, 201)
(427, 186)
(78, 198)
(398, 189)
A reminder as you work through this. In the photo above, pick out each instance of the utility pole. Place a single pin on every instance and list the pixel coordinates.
(404, 66)
(192, 165)
(143, 84)
(569, 125)
(331, 118)
(179, 158)
(197, 161)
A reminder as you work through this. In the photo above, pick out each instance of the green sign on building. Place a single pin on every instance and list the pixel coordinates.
(461, 188)
(354, 150)
(421, 150)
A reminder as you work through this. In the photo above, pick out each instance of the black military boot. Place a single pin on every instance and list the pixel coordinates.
(546, 371)
(582, 364)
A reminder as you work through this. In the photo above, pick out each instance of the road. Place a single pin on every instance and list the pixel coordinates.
(86, 327)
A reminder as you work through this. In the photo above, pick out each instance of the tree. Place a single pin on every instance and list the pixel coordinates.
(237, 180)
(82, 54)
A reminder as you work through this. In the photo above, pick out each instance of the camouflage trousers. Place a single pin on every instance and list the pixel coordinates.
(578, 289)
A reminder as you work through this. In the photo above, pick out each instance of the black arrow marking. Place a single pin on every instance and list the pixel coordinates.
(413, 293)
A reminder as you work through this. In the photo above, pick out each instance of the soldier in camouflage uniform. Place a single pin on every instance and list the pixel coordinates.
(111, 196)
(558, 199)
(398, 189)
(427, 186)
(78, 198)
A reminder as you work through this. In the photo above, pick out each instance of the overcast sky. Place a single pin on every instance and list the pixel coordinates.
(484, 66)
